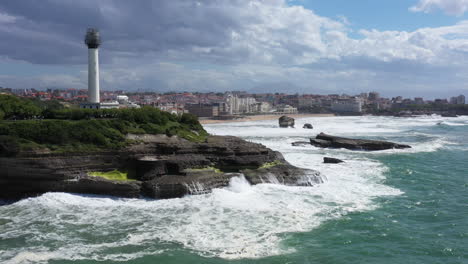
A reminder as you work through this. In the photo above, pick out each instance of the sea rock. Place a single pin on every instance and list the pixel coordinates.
(331, 160)
(308, 126)
(300, 143)
(449, 115)
(328, 141)
(286, 121)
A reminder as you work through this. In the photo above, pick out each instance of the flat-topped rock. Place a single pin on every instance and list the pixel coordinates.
(332, 160)
(328, 141)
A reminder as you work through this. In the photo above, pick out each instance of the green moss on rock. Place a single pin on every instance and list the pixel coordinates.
(114, 175)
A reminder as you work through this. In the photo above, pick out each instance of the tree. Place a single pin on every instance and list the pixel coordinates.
(16, 108)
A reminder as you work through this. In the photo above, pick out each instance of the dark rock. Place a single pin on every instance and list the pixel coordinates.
(308, 126)
(331, 160)
(327, 141)
(286, 121)
(283, 174)
(101, 186)
(320, 143)
(148, 168)
(300, 143)
(8, 146)
(449, 115)
(196, 182)
(161, 166)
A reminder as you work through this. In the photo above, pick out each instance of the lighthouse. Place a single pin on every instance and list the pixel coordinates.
(93, 41)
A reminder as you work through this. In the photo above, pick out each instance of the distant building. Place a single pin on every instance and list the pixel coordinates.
(122, 99)
(373, 96)
(419, 100)
(110, 105)
(286, 109)
(203, 110)
(171, 107)
(440, 101)
(458, 99)
(265, 107)
(353, 105)
(240, 105)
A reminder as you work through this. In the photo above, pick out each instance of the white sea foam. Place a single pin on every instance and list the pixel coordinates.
(240, 221)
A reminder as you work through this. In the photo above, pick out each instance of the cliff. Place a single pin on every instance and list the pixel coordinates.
(157, 166)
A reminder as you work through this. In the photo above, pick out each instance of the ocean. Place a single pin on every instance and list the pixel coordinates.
(393, 206)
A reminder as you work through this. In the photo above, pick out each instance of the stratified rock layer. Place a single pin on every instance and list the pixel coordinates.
(160, 166)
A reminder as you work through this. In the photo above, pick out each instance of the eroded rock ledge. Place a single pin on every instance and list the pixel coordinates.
(328, 141)
(159, 166)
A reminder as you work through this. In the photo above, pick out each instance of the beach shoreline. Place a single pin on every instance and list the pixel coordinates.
(259, 118)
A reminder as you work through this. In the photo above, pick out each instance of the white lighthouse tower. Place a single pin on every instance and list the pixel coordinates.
(93, 41)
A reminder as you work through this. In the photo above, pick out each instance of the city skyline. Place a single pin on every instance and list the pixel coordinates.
(418, 48)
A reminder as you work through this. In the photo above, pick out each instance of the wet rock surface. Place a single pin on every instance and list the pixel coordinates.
(328, 141)
(158, 166)
(332, 160)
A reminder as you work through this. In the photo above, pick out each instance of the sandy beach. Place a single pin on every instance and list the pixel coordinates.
(260, 117)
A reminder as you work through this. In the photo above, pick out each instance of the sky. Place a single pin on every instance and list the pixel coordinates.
(395, 47)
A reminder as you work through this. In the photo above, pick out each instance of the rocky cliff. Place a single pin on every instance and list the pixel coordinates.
(158, 167)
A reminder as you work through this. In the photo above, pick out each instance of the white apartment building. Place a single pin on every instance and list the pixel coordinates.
(237, 105)
(286, 109)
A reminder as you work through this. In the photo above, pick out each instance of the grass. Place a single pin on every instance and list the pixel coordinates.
(114, 175)
(268, 165)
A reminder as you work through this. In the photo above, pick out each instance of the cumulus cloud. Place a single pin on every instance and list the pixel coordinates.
(220, 45)
(450, 7)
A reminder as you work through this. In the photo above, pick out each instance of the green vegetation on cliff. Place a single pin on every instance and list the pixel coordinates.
(30, 126)
(111, 175)
(271, 164)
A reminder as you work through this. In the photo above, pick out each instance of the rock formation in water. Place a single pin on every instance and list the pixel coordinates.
(332, 160)
(301, 143)
(308, 126)
(327, 141)
(286, 121)
(159, 166)
(323, 140)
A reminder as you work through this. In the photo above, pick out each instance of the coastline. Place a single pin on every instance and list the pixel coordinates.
(259, 118)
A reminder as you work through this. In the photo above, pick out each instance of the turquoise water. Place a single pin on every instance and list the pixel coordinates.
(396, 206)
